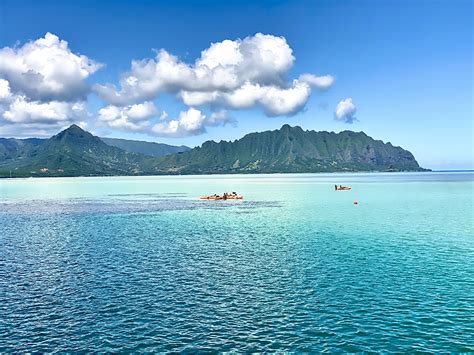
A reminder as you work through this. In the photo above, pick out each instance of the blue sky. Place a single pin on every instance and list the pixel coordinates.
(406, 65)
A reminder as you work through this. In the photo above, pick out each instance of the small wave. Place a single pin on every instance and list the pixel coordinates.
(92, 206)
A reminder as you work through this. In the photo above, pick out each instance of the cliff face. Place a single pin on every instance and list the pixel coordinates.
(75, 152)
(291, 149)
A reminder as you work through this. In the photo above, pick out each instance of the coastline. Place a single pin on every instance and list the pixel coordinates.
(47, 175)
(240, 175)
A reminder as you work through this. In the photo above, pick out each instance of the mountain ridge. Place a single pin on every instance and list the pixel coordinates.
(75, 152)
(13, 147)
(146, 148)
(292, 149)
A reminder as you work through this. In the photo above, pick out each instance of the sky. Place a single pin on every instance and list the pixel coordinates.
(183, 72)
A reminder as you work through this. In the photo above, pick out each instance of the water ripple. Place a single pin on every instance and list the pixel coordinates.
(90, 206)
(167, 273)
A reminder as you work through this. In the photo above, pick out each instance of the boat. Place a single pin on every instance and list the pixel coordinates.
(235, 197)
(343, 188)
(217, 197)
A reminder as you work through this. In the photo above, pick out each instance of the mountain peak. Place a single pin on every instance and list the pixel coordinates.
(73, 134)
(287, 127)
(74, 128)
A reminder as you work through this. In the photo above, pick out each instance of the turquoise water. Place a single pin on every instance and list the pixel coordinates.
(140, 264)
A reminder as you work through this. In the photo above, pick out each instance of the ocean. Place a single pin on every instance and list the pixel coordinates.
(140, 264)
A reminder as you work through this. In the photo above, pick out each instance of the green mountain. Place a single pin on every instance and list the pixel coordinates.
(12, 149)
(72, 152)
(291, 149)
(145, 148)
(75, 152)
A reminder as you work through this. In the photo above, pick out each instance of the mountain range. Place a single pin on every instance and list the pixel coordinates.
(145, 148)
(291, 149)
(75, 152)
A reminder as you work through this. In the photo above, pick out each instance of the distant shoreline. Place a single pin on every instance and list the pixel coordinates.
(240, 174)
(45, 175)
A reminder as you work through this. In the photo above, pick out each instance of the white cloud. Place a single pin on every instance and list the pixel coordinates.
(83, 124)
(133, 117)
(244, 97)
(43, 84)
(21, 117)
(124, 124)
(225, 53)
(23, 111)
(142, 111)
(5, 92)
(164, 115)
(198, 98)
(219, 118)
(238, 74)
(46, 70)
(345, 111)
(42, 87)
(274, 100)
(320, 82)
(189, 123)
(277, 102)
(146, 118)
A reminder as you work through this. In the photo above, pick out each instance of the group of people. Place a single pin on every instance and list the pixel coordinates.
(226, 196)
(231, 195)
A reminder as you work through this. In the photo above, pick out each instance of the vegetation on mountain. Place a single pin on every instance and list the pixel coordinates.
(72, 152)
(146, 148)
(291, 150)
(75, 152)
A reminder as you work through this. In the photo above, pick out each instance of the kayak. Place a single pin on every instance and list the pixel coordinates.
(215, 198)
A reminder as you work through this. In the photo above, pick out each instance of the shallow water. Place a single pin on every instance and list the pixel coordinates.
(140, 264)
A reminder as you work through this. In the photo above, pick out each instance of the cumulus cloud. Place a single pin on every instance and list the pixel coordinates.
(46, 70)
(238, 74)
(220, 118)
(23, 111)
(273, 99)
(345, 111)
(320, 82)
(146, 118)
(133, 117)
(25, 118)
(277, 101)
(5, 92)
(42, 87)
(189, 123)
(20, 116)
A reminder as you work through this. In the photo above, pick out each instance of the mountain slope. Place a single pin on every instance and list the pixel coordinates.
(291, 149)
(145, 148)
(12, 148)
(75, 152)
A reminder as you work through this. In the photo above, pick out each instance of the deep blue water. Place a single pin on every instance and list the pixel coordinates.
(140, 264)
